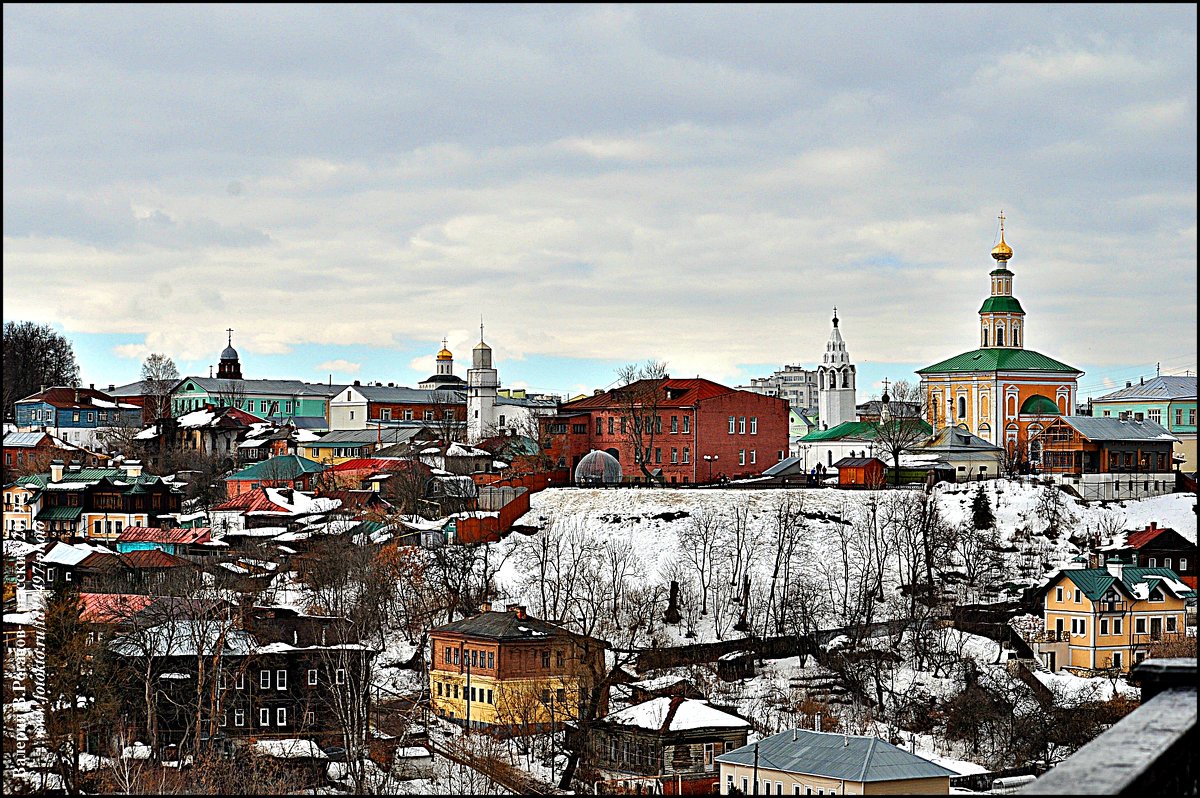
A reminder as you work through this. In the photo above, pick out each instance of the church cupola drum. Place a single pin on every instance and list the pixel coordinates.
(229, 367)
(1001, 318)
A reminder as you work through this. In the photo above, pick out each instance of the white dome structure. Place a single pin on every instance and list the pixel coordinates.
(598, 468)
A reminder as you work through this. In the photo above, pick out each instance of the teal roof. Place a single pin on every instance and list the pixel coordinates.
(59, 514)
(1039, 405)
(287, 466)
(1095, 582)
(999, 360)
(1001, 304)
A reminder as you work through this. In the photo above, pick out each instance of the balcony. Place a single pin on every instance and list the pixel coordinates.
(1149, 752)
(1050, 636)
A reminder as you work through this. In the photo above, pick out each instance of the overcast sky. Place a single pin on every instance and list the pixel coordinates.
(344, 186)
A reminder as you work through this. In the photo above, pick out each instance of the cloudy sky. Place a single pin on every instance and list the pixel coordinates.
(345, 186)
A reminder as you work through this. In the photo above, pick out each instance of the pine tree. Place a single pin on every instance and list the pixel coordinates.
(981, 510)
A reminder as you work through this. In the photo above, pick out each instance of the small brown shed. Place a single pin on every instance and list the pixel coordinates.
(860, 472)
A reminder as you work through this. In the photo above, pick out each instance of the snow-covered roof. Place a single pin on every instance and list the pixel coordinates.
(675, 714)
(71, 554)
(291, 748)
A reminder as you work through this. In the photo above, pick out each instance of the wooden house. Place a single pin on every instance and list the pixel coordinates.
(860, 472)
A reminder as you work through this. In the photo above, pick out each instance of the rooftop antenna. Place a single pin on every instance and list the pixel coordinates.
(481, 328)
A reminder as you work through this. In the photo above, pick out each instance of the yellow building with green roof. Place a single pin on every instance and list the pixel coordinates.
(1002, 392)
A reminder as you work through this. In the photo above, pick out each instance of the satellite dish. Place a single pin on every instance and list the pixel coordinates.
(40, 526)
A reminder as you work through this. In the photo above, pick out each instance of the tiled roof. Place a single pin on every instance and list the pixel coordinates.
(835, 756)
(286, 466)
(1000, 360)
(1170, 387)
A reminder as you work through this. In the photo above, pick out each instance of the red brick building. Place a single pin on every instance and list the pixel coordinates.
(684, 421)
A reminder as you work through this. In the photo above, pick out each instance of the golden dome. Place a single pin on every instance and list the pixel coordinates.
(445, 355)
(1002, 251)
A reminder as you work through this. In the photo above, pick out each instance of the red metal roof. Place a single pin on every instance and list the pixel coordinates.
(111, 607)
(178, 535)
(152, 558)
(375, 464)
(255, 499)
(692, 391)
(1144, 536)
(65, 397)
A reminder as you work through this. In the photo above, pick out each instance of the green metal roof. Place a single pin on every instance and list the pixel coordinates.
(1095, 582)
(847, 429)
(1040, 406)
(1001, 304)
(999, 360)
(59, 514)
(288, 466)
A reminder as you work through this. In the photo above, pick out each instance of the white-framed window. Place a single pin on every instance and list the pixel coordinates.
(264, 717)
(754, 425)
(1182, 564)
(687, 424)
(1152, 562)
(1139, 626)
(239, 717)
(1166, 562)
(280, 679)
(753, 456)
(1104, 626)
(741, 456)
(687, 454)
(339, 676)
(1171, 621)
(264, 679)
(281, 716)
(312, 676)
(674, 454)
(224, 718)
(240, 681)
(1117, 625)
(741, 425)
(310, 718)
(732, 424)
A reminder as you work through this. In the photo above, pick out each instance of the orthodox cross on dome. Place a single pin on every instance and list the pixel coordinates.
(835, 315)
(443, 343)
(1001, 217)
(229, 340)
(481, 329)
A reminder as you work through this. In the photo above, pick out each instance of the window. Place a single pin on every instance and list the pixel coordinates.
(1166, 562)
(623, 420)
(732, 424)
(474, 658)
(779, 788)
(439, 688)
(545, 696)
(1156, 595)
(310, 718)
(674, 454)
(1171, 623)
(611, 422)
(456, 691)
(687, 457)
(745, 786)
(545, 659)
(1104, 626)
(1116, 659)
(1139, 626)
(339, 676)
(456, 656)
(240, 682)
(742, 425)
(264, 717)
(491, 659)
(1117, 624)
(1077, 596)
(795, 788)
(264, 679)
(1058, 594)
(560, 658)
(741, 456)
(1182, 565)
(385, 414)
(599, 426)
(281, 680)
(560, 695)
(657, 454)
(687, 424)
(753, 456)
(281, 716)
(1153, 562)
(351, 415)
(239, 717)
(408, 415)
(674, 424)
(579, 429)
(1154, 415)
(754, 425)
(489, 697)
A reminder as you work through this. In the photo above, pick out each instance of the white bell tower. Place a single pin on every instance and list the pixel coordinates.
(836, 382)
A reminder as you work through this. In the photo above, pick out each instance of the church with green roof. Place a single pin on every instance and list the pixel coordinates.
(1002, 392)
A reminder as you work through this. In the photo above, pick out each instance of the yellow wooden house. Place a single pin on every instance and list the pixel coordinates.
(1113, 617)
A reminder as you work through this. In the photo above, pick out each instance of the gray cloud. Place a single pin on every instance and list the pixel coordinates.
(704, 181)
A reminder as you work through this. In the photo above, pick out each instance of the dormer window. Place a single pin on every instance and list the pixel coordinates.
(1156, 595)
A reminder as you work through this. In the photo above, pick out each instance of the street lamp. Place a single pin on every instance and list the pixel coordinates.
(709, 458)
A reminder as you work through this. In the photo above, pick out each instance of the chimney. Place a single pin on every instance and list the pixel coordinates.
(56, 470)
(111, 387)
(43, 388)
(1153, 525)
(794, 733)
(1116, 567)
(1128, 384)
(356, 382)
(519, 609)
(485, 606)
(76, 395)
(132, 468)
(1141, 380)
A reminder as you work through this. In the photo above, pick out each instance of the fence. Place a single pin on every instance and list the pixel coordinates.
(509, 498)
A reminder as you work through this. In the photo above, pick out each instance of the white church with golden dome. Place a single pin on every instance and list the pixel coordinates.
(444, 377)
(1002, 392)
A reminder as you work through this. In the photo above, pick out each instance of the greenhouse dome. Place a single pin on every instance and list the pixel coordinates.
(598, 468)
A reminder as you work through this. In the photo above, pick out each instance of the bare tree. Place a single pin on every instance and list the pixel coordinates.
(638, 400)
(697, 542)
(159, 378)
(903, 427)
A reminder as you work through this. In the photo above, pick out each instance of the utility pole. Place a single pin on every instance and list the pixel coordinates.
(755, 792)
